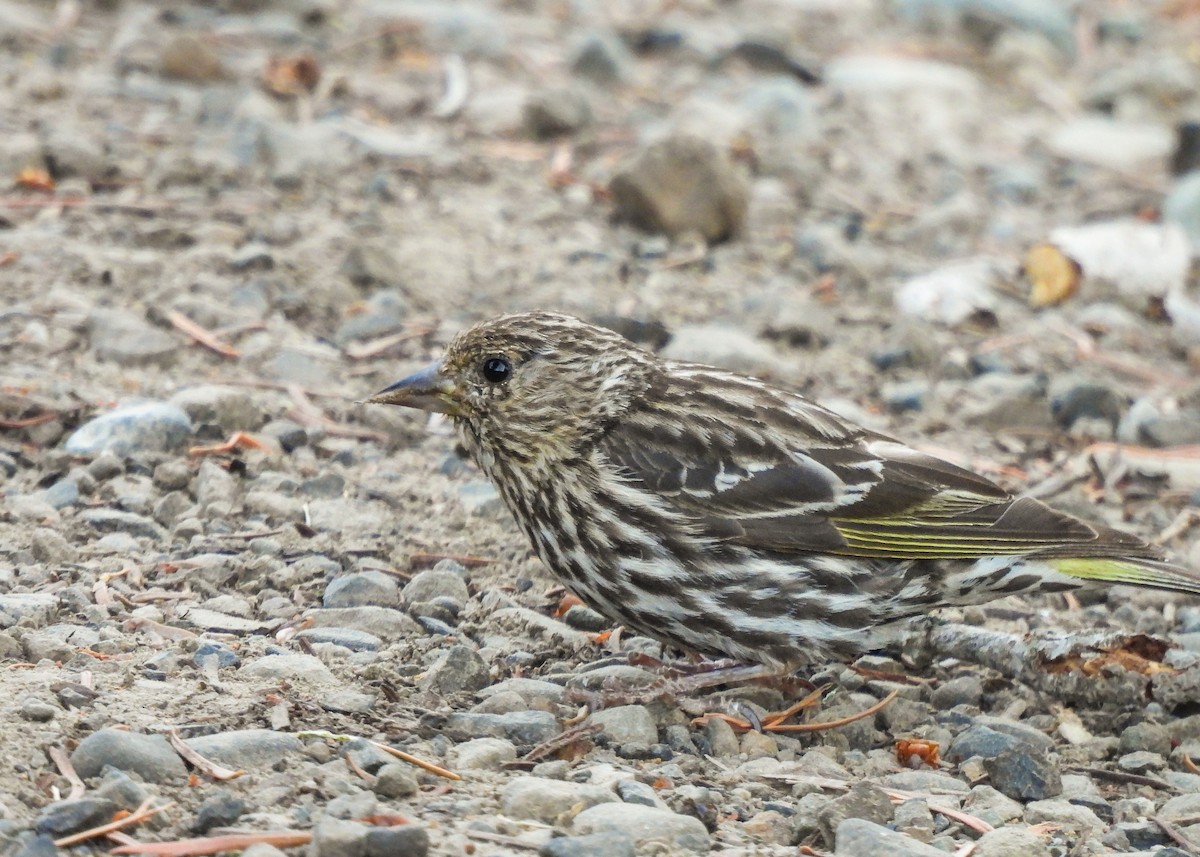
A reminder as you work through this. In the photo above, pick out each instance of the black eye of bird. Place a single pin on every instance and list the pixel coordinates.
(496, 370)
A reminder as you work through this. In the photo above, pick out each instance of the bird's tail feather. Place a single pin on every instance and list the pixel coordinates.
(1135, 572)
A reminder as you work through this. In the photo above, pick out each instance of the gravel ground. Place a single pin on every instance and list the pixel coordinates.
(965, 222)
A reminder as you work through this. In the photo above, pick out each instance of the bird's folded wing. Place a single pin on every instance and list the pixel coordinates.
(865, 496)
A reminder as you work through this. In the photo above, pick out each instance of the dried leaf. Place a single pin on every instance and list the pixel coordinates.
(35, 178)
(291, 76)
(1053, 274)
(911, 752)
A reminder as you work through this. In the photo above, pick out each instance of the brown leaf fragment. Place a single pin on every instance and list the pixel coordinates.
(1053, 275)
(288, 77)
(1139, 654)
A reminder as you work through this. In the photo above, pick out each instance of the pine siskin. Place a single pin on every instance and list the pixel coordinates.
(722, 515)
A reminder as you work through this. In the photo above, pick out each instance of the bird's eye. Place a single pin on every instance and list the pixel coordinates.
(496, 370)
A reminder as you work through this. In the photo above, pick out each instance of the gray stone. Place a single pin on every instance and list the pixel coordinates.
(395, 780)
(1182, 205)
(143, 427)
(385, 623)
(554, 112)
(1034, 738)
(191, 58)
(404, 840)
(602, 58)
(725, 346)
(932, 782)
(646, 825)
(361, 589)
(68, 816)
(594, 845)
(635, 791)
(122, 789)
(57, 643)
(127, 340)
(1112, 143)
(992, 806)
(523, 728)
(348, 701)
(531, 690)
(681, 186)
(1141, 762)
(115, 521)
(347, 638)
(385, 312)
(545, 800)
(481, 499)
(857, 837)
(979, 741)
(1024, 775)
(914, 818)
(722, 740)
(293, 667)
(148, 756)
(877, 74)
(37, 710)
(482, 754)
(246, 748)
(1180, 807)
(338, 837)
(174, 476)
(221, 809)
(1011, 842)
(987, 20)
(231, 408)
(436, 583)
(615, 675)
(458, 669)
(1064, 814)
(626, 724)
(37, 608)
(863, 801)
(372, 265)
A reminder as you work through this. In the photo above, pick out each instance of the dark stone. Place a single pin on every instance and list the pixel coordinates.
(1142, 835)
(220, 810)
(405, 840)
(225, 656)
(68, 816)
(592, 845)
(1024, 775)
(1088, 401)
(979, 741)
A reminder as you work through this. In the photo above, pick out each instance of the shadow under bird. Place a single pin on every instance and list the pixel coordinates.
(722, 515)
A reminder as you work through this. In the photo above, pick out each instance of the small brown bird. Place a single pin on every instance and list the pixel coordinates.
(723, 515)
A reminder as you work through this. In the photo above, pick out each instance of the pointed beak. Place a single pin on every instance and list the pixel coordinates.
(428, 390)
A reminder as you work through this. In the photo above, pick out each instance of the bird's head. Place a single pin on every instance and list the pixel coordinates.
(532, 386)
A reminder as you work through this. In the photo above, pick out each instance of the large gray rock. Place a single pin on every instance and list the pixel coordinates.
(544, 800)
(142, 427)
(648, 826)
(857, 837)
(148, 756)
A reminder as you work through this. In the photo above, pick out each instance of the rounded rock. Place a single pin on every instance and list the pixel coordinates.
(362, 589)
(144, 427)
(645, 824)
(148, 756)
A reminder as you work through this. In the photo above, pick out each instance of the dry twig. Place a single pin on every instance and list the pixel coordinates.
(63, 762)
(206, 766)
(201, 335)
(139, 815)
(216, 844)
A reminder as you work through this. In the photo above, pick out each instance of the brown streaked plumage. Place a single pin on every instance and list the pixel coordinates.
(721, 514)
